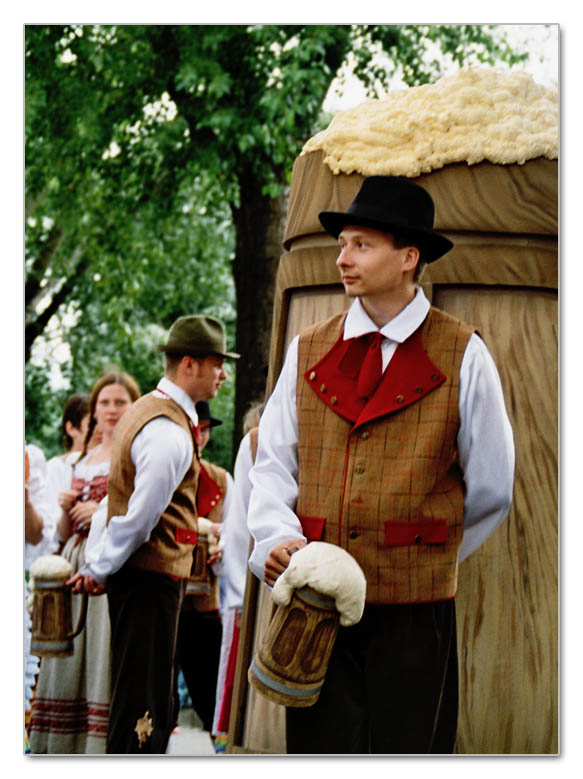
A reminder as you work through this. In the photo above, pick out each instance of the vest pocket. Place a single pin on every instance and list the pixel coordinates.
(313, 527)
(432, 531)
(184, 536)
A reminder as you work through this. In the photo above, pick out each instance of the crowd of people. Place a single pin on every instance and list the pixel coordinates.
(386, 434)
(68, 699)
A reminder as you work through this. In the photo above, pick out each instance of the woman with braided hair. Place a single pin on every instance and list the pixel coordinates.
(71, 709)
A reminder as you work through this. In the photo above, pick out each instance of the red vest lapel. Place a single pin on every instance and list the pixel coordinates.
(208, 494)
(410, 375)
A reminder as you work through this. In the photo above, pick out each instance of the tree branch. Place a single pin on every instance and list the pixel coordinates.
(37, 327)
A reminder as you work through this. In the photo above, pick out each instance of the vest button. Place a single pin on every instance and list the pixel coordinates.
(400, 399)
(359, 469)
(418, 539)
(312, 376)
(322, 388)
(419, 390)
(334, 400)
(435, 377)
(353, 534)
(366, 435)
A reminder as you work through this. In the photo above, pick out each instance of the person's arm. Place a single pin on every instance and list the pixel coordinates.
(38, 531)
(485, 446)
(274, 477)
(235, 535)
(162, 453)
(33, 522)
(216, 559)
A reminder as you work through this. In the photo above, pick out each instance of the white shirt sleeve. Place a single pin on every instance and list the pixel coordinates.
(485, 447)
(235, 535)
(39, 497)
(274, 477)
(161, 453)
(219, 567)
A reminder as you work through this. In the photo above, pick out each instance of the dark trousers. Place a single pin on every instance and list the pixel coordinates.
(143, 608)
(391, 687)
(198, 654)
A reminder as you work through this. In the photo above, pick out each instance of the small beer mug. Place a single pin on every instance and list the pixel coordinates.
(52, 633)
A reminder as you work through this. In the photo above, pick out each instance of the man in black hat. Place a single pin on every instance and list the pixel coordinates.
(387, 435)
(144, 556)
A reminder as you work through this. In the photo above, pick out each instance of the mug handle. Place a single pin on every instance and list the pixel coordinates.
(82, 616)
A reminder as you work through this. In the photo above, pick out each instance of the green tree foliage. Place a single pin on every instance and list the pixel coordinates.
(157, 158)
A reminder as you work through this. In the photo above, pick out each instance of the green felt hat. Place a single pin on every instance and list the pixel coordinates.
(197, 336)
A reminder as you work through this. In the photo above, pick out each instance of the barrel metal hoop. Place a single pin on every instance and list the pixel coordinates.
(51, 645)
(48, 584)
(325, 603)
(282, 688)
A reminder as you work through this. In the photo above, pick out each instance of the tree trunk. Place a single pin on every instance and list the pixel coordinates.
(259, 224)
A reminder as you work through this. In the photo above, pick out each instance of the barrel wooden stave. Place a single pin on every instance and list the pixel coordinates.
(467, 197)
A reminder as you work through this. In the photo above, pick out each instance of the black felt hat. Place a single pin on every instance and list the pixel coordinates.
(204, 412)
(392, 204)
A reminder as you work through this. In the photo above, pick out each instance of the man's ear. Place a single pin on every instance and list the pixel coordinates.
(411, 258)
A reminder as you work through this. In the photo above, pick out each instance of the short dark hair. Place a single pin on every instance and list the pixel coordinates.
(76, 407)
(401, 239)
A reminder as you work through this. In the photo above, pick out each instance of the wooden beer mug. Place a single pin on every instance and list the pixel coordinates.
(200, 580)
(322, 588)
(52, 631)
(291, 662)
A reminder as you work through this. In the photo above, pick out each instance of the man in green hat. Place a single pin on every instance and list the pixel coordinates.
(144, 556)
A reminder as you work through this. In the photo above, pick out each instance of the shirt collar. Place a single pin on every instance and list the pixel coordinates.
(179, 396)
(359, 323)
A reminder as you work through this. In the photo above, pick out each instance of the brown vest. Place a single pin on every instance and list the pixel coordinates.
(381, 478)
(210, 505)
(171, 544)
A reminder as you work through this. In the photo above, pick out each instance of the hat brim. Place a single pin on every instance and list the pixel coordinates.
(176, 350)
(431, 245)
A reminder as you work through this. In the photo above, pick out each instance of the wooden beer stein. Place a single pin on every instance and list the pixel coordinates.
(291, 662)
(199, 581)
(52, 631)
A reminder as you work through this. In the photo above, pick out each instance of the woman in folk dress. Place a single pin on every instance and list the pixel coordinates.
(71, 708)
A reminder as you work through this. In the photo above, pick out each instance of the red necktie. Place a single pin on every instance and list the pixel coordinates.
(371, 370)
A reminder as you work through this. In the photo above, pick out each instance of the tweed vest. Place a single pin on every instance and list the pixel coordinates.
(212, 487)
(381, 478)
(170, 547)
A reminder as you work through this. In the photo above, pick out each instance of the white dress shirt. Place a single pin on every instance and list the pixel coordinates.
(235, 534)
(485, 440)
(161, 452)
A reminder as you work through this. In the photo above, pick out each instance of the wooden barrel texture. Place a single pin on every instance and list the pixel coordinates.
(502, 277)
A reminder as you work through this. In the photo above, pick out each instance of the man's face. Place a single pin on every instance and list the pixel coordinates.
(209, 376)
(368, 262)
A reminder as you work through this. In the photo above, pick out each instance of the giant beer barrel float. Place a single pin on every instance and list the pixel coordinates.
(484, 144)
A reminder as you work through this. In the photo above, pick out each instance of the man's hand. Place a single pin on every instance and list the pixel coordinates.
(79, 582)
(279, 557)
